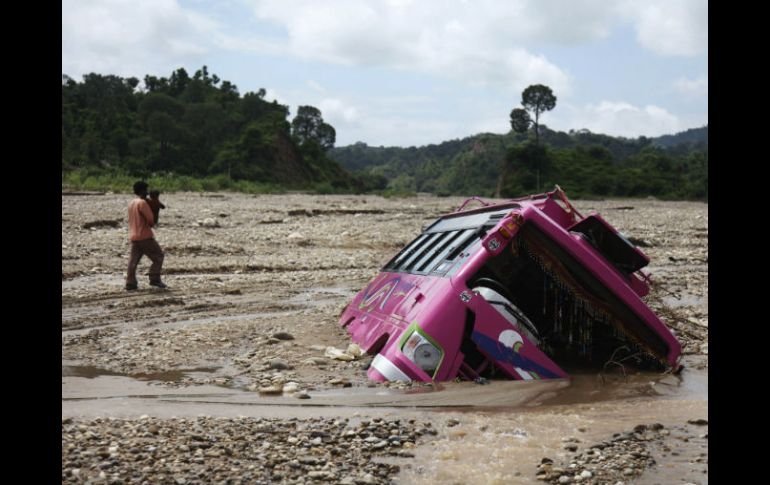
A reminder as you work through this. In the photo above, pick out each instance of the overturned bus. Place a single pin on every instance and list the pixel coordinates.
(508, 290)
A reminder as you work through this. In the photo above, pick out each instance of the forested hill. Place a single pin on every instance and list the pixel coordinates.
(197, 126)
(586, 163)
(694, 138)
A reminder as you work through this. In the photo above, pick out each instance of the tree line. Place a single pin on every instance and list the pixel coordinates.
(531, 158)
(592, 169)
(197, 126)
(200, 128)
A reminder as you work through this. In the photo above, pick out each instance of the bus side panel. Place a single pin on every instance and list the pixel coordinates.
(510, 350)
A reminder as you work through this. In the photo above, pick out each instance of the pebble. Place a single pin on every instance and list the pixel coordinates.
(316, 361)
(354, 350)
(279, 364)
(290, 387)
(622, 457)
(271, 390)
(239, 450)
(337, 354)
(283, 336)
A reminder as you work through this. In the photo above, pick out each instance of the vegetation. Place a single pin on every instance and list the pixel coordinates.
(118, 181)
(536, 99)
(590, 171)
(585, 164)
(192, 132)
(198, 133)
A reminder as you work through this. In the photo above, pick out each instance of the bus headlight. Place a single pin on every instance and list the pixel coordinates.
(421, 350)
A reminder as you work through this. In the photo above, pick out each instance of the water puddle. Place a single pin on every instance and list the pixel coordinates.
(175, 375)
(496, 396)
(502, 396)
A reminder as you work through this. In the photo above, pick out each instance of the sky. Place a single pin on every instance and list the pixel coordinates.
(416, 72)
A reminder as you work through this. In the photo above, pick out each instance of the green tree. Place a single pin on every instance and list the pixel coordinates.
(178, 82)
(536, 100)
(156, 102)
(520, 120)
(309, 125)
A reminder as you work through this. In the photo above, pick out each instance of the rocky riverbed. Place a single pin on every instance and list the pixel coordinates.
(623, 457)
(207, 450)
(256, 285)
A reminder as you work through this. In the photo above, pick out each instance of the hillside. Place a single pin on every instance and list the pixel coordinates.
(473, 165)
(198, 126)
(694, 137)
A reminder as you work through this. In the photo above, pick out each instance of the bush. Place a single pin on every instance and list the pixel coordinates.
(116, 181)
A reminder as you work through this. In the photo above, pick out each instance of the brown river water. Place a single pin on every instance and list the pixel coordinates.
(505, 428)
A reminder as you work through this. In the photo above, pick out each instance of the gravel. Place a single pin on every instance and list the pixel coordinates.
(236, 450)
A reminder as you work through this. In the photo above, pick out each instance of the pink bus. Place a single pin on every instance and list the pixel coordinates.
(506, 291)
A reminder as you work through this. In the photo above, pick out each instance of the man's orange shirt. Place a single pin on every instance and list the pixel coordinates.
(140, 220)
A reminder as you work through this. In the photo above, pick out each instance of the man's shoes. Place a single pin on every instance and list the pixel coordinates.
(131, 286)
(158, 284)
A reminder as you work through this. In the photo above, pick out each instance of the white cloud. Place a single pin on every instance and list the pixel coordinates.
(492, 44)
(315, 86)
(484, 42)
(391, 121)
(401, 131)
(250, 44)
(618, 118)
(669, 27)
(273, 95)
(696, 87)
(130, 37)
(335, 111)
(480, 43)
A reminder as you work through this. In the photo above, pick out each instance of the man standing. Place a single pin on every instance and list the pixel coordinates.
(140, 221)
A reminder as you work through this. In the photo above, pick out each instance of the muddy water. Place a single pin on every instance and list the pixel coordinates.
(90, 372)
(503, 445)
(506, 447)
(505, 428)
(80, 383)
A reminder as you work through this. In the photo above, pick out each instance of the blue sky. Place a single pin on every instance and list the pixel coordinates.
(414, 72)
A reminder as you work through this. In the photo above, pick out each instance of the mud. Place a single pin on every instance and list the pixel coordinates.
(288, 265)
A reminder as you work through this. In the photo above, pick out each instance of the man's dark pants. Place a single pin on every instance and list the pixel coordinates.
(152, 250)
